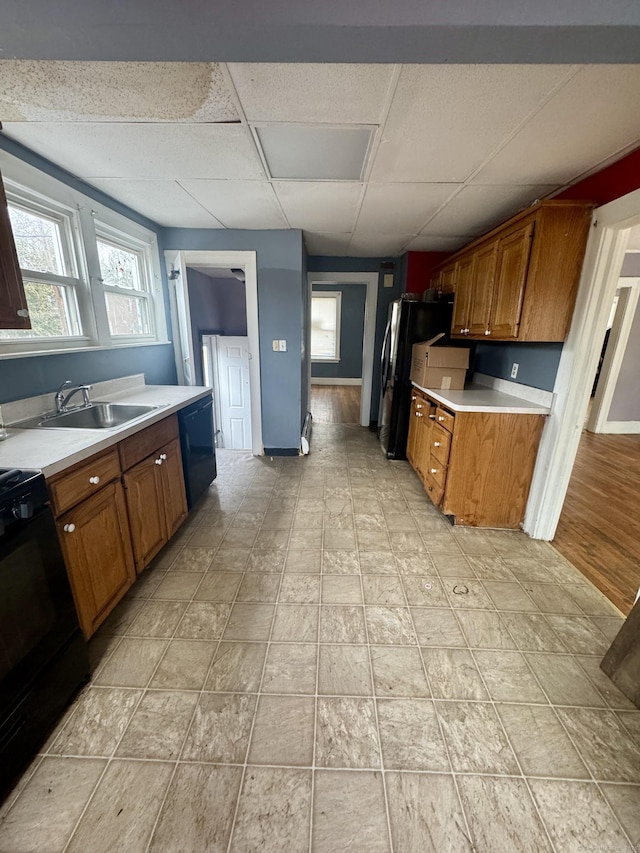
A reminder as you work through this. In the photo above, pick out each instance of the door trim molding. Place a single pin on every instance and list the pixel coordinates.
(248, 262)
(559, 444)
(370, 279)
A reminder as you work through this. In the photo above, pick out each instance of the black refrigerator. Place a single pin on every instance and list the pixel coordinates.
(409, 323)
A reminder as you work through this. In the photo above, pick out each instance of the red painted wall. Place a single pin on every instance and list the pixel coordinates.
(419, 266)
(616, 180)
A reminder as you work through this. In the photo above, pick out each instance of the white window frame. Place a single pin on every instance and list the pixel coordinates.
(336, 296)
(84, 219)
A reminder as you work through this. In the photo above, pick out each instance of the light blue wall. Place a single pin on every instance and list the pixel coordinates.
(538, 363)
(280, 312)
(28, 377)
(386, 295)
(354, 297)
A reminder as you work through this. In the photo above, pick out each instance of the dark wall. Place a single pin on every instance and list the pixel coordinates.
(631, 265)
(29, 377)
(354, 297)
(538, 363)
(34, 375)
(279, 263)
(386, 295)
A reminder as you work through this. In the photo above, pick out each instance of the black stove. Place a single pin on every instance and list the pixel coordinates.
(43, 657)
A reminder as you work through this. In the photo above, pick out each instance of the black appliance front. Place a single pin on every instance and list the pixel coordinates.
(43, 657)
(409, 323)
(198, 449)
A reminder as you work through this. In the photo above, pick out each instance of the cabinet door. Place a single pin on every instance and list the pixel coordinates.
(464, 290)
(13, 303)
(413, 428)
(511, 277)
(97, 552)
(146, 509)
(484, 282)
(172, 487)
(423, 440)
(448, 279)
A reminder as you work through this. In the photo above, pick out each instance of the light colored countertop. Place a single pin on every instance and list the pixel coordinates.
(53, 450)
(480, 398)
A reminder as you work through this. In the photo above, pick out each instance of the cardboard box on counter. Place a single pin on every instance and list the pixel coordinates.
(442, 368)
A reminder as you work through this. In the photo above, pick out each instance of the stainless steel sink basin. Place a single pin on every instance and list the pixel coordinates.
(96, 416)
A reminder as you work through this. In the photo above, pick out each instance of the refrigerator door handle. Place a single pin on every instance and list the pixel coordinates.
(385, 361)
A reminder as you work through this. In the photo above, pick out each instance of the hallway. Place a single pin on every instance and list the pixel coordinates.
(335, 404)
(319, 662)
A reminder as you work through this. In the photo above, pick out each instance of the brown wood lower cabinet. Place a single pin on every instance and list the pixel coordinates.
(97, 552)
(107, 532)
(475, 466)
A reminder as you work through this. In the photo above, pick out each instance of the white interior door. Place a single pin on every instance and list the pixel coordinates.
(233, 392)
(184, 351)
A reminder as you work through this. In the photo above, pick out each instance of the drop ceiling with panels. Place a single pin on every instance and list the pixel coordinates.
(367, 160)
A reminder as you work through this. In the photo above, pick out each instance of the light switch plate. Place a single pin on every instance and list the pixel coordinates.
(276, 346)
(387, 280)
(283, 346)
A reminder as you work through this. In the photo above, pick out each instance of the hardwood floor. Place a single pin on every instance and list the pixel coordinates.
(599, 529)
(335, 404)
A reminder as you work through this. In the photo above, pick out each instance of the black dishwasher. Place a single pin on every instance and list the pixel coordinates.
(198, 451)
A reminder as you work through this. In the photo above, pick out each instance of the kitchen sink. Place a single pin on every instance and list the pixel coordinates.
(95, 416)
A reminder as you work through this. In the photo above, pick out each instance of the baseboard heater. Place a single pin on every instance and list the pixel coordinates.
(305, 438)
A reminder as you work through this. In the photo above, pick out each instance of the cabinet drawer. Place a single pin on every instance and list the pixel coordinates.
(433, 489)
(445, 419)
(436, 471)
(440, 443)
(135, 448)
(83, 480)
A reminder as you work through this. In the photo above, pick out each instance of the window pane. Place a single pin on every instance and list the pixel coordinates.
(128, 315)
(37, 241)
(323, 327)
(53, 311)
(119, 267)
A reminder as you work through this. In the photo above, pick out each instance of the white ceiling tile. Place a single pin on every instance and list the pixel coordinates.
(115, 91)
(588, 120)
(478, 208)
(329, 206)
(435, 243)
(170, 151)
(239, 204)
(401, 207)
(445, 120)
(313, 152)
(312, 92)
(165, 202)
(336, 245)
(368, 245)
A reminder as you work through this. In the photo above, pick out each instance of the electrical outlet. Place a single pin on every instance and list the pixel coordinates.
(283, 346)
(276, 346)
(514, 369)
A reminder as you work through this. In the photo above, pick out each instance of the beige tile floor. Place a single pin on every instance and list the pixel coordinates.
(319, 661)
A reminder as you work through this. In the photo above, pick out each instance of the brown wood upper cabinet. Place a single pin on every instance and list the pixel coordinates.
(14, 313)
(519, 282)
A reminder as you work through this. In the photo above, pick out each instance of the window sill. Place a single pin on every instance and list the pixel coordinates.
(4, 356)
(325, 360)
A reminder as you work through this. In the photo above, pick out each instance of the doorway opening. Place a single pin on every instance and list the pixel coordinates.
(233, 370)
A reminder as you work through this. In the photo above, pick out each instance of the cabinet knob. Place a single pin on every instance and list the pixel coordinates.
(413, 398)
(69, 528)
(418, 405)
(434, 470)
(465, 331)
(94, 480)
(440, 417)
(163, 456)
(419, 415)
(436, 444)
(158, 461)
(488, 332)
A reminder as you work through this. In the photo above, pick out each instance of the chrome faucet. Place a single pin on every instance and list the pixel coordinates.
(62, 399)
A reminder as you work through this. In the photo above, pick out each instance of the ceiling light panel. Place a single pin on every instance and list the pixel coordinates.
(587, 121)
(169, 151)
(312, 92)
(319, 206)
(239, 204)
(445, 120)
(401, 207)
(115, 91)
(165, 202)
(295, 152)
(478, 208)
